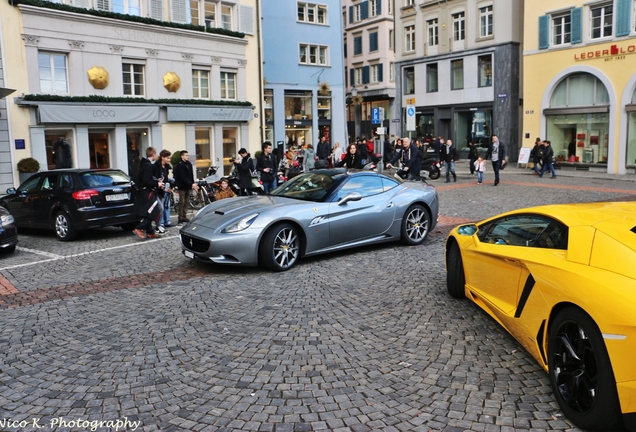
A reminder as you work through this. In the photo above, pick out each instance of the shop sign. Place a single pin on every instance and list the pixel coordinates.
(209, 114)
(614, 52)
(86, 114)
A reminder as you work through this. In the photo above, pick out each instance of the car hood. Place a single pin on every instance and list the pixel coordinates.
(220, 213)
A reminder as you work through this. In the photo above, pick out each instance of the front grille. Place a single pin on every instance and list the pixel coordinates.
(195, 244)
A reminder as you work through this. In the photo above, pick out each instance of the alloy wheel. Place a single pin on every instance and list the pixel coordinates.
(417, 224)
(286, 248)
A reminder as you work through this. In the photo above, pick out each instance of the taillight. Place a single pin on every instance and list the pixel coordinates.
(85, 194)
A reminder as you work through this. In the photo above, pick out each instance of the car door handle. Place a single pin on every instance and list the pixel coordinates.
(389, 205)
(511, 261)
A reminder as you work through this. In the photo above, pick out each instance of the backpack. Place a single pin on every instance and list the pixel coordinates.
(541, 152)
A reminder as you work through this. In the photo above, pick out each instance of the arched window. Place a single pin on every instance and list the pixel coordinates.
(580, 89)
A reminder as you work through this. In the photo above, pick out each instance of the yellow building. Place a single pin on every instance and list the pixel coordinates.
(579, 82)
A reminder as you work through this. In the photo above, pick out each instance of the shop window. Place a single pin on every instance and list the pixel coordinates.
(59, 148)
(577, 137)
(203, 147)
(99, 150)
(53, 73)
(580, 89)
(631, 140)
(136, 144)
(298, 106)
(475, 126)
(228, 85)
(409, 80)
(133, 76)
(484, 63)
(230, 148)
(324, 107)
(431, 78)
(457, 74)
(425, 125)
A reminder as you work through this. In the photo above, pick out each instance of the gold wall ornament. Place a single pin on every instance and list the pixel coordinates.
(171, 82)
(357, 100)
(324, 89)
(98, 77)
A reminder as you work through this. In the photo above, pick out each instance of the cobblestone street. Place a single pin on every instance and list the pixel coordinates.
(110, 328)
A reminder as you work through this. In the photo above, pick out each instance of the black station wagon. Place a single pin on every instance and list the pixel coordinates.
(71, 200)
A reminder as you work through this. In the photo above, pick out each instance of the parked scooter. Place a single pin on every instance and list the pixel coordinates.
(255, 189)
(432, 166)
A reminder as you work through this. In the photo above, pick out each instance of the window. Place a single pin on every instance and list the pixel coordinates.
(484, 64)
(459, 26)
(312, 13)
(409, 80)
(431, 78)
(601, 25)
(433, 32)
(313, 55)
(200, 84)
(391, 44)
(408, 2)
(364, 185)
(357, 13)
(226, 17)
(561, 29)
(203, 13)
(457, 74)
(392, 72)
(525, 230)
(357, 76)
(376, 73)
(357, 45)
(128, 7)
(580, 89)
(485, 21)
(409, 38)
(374, 8)
(53, 75)
(228, 85)
(390, 7)
(133, 75)
(373, 41)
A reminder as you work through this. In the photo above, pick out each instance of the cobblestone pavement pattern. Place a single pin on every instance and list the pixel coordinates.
(110, 328)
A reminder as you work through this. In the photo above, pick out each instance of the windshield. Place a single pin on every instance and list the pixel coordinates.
(103, 178)
(313, 186)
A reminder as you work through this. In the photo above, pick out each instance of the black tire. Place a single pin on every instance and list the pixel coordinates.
(280, 247)
(129, 226)
(434, 173)
(581, 373)
(415, 225)
(455, 277)
(63, 227)
(8, 250)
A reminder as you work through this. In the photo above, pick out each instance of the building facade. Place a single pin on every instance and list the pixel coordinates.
(584, 98)
(303, 70)
(106, 79)
(369, 65)
(459, 70)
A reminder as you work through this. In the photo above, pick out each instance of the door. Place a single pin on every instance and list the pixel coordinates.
(43, 199)
(372, 215)
(21, 205)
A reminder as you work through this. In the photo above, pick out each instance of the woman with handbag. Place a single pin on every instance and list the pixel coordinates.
(244, 169)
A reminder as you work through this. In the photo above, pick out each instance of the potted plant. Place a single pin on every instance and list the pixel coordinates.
(26, 167)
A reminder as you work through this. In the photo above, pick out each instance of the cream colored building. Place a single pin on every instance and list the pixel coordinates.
(580, 82)
(112, 77)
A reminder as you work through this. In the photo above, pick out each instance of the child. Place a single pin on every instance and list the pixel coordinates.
(480, 166)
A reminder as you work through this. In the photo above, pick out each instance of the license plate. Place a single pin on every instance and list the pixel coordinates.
(117, 197)
(188, 254)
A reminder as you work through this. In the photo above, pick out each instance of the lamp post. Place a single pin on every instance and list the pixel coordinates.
(354, 91)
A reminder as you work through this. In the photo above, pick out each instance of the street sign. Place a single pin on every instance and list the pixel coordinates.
(375, 116)
(410, 118)
(380, 131)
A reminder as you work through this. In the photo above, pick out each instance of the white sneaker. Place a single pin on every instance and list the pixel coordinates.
(161, 230)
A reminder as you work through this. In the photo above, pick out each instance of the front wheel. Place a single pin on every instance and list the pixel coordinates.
(63, 227)
(415, 225)
(280, 247)
(455, 278)
(434, 172)
(581, 373)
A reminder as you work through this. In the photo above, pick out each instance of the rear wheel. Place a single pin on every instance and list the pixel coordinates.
(63, 227)
(415, 225)
(455, 278)
(581, 372)
(434, 173)
(280, 247)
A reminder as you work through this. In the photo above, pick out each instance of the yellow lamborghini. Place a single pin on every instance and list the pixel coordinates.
(561, 279)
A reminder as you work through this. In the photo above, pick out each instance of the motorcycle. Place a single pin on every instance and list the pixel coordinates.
(432, 166)
(404, 175)
(255, 189)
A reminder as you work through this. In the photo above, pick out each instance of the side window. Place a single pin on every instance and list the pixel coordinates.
(525, 230)
(365, 185)
(65, 181)
(49, 182)
(388, 184)
(30, 184)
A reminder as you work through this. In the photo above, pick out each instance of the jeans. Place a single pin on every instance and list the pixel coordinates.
(496, 165)
(269, 186)
(545, 167)
(165, 216)
(450, 168)
(480, 176)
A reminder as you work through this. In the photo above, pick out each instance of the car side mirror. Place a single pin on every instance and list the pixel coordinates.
(11, 191)
(353, 196)
(467, 230)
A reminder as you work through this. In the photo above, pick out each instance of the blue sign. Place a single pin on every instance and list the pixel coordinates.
(375, 116)
(410, 112)
(20, 144)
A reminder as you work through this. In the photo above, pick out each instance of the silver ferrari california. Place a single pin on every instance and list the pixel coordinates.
(316, 212)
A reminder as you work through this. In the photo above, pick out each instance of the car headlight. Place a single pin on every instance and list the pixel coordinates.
(7, 220)
(241, 224)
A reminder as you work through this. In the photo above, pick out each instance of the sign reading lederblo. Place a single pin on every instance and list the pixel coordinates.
(614, 52)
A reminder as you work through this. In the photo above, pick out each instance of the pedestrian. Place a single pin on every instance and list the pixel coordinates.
(267, 166)
(409, 155)
(497, 155)
(184, 177)
(309, 160)
(439, 143)
(548, 159)
(162, 171)
(537, 155)
(449, 155)
(480, 167)
(353, 159)
(224, 191)
(148, 184)
(388, 151)
(244, 167)
(472, 156)
(323, 151)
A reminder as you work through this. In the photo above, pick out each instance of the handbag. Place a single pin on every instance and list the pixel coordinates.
(153, 206)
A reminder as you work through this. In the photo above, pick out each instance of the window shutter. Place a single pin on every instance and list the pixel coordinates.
(622, 17)
(380, 76)
(350, 14)
(179, 11)
(103, 5)
(246, 19)
(373, 41)
(352, 76)
(345, 50)
(86, 4)
(156, 9)
(378, 7)
(544, 32)
(365, 75)
(576, 19)
(357, 45)
(364, 10)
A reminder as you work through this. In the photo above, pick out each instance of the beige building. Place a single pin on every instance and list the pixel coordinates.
(107, 78)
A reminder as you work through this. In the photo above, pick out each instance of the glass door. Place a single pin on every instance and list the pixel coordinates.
(136, 144)
(99, 149)
(230, 148)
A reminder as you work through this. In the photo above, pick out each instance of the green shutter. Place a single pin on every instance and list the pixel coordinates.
(352, 77)
(576, 22)
(380, 77)
(379, 7)
(365, 75)
(350, 14)
(623, 17)
(373, 41)
(357, 45)
(364, 10)
(544, 32)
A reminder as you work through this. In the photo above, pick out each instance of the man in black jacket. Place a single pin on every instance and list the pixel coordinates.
(497, 154)
(323, 150)
(147, 183)
(449, 154)
(267, 165)
(184, 176)
(409, 155)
